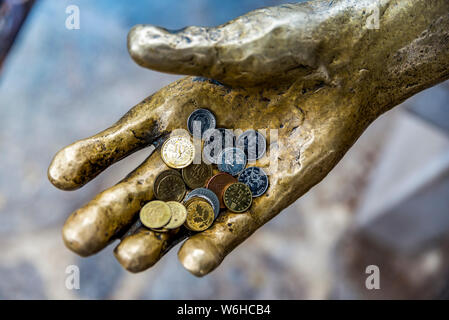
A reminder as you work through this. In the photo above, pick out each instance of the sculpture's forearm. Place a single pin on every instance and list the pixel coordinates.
(410, 52)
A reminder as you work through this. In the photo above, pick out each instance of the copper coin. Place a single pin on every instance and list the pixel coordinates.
(218, 183)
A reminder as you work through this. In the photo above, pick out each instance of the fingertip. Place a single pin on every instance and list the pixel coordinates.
(125, 256)
(74, 241)
(133, 43)
(140, 251)
(83, 234)
(57, 170)
(144, 43)
(199, 256)
(187, 51)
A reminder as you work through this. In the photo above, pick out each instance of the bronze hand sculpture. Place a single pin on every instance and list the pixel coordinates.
(315, 71)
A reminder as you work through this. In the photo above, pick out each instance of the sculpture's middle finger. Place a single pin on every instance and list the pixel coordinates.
(91, 228)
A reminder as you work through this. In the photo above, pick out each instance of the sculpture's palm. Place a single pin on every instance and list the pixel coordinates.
(319, 111)
(90, 228)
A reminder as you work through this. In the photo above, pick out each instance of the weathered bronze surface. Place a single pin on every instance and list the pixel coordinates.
(314, 71)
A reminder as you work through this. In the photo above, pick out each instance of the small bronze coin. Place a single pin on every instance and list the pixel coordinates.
(200, 214)
(237, 197)
(178, 215)
(162, 175)
(218, 183)
(196, 175)
(171, 188)
(155, 214)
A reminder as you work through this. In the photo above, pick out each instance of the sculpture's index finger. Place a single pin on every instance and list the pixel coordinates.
(254, 49)
(187, 51)
(80, 162)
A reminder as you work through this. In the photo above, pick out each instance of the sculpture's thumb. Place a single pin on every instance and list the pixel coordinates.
(263, 46)
(187, 51)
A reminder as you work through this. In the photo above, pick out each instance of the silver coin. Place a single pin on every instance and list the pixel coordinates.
(232, 161)
(202, 118)
(215, 141)
(253, 143)
(208, 194)
(256, 179)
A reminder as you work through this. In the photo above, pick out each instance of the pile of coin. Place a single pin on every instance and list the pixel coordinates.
(232, 186)
(163, 216)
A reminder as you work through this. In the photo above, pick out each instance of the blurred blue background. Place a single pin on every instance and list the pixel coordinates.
(59, 85)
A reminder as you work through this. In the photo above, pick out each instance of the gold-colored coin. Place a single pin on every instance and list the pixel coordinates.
(237, 197)
(200, 214)
(196, 175)
(178, 215)
(155, 214)
(171, 188)
(161, 230)
(178, 152)
(162, 175)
